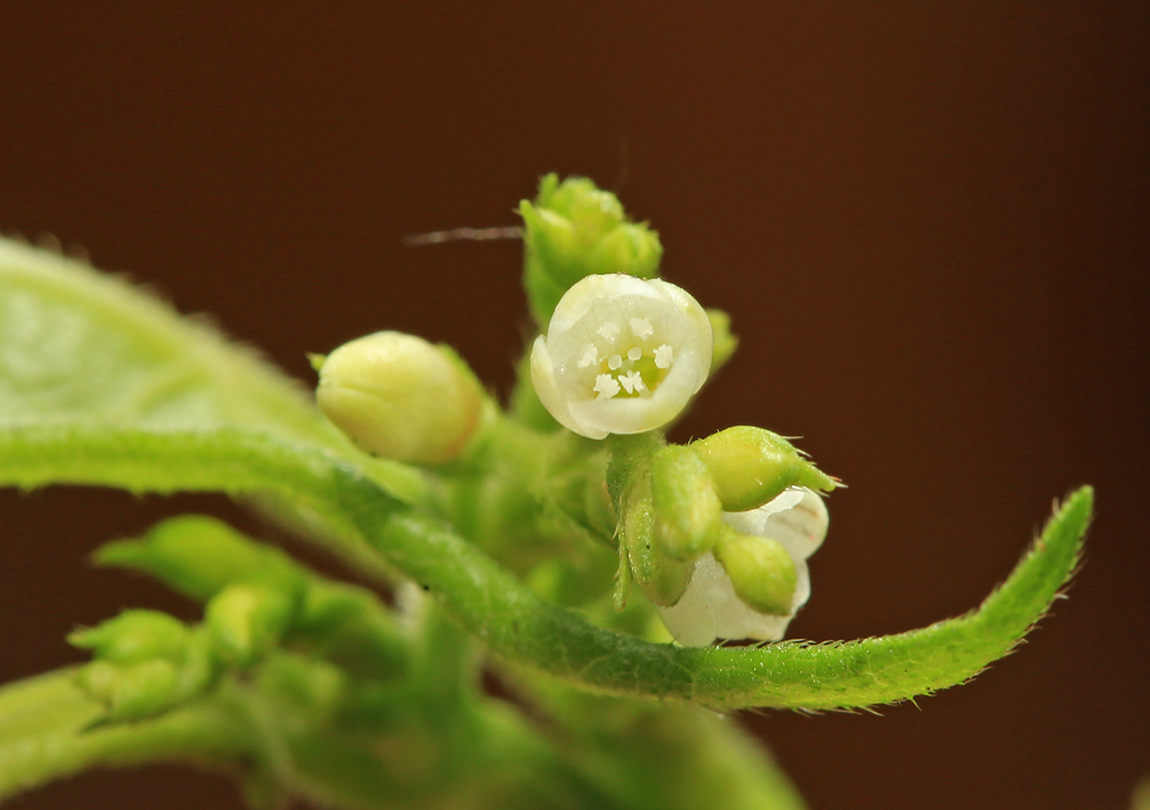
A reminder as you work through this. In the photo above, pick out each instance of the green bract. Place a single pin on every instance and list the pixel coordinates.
(308, 687)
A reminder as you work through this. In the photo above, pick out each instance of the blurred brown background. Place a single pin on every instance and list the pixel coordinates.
(928, 221)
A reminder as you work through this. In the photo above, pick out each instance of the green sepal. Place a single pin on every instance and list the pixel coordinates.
(751, 466)
(132, 686)
(661, 578)
(687, 511)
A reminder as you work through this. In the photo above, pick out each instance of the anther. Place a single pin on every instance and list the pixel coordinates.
(590, 356)
(632, 382)
(606, 386)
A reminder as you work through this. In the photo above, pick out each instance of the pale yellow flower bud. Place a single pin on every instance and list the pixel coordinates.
(399, 397)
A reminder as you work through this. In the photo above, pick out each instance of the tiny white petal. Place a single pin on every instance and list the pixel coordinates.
(663, 356)
(641, 327)
(547, 387)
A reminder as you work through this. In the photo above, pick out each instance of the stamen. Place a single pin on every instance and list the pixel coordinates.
(606, 386)
(634, 353)
(590, 356)
(632, 382)
(663, 356)
(609, 331)
(614, 362)
(641, 327)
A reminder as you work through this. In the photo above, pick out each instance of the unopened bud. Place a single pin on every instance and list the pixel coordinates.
(630, 248)
(130, 691)
(134, 635)
(751, 466)
(761, 571)
(725, 342)
(573, 229)
(399, 397)
(197, 556)
(246, 620)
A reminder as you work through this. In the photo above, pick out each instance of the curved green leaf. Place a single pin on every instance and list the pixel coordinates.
(520, 627)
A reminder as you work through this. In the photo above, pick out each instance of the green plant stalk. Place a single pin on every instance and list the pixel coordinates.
(45, 735)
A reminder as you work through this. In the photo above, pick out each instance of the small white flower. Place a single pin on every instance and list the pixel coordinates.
(710, 609)
(621, 355)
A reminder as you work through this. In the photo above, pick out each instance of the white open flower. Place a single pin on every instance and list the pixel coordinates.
(621, 355)
(710, 609)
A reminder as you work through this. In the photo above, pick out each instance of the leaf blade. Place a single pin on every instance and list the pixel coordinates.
(522, 628)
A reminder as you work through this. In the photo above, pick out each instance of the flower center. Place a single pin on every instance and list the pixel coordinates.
(627, 359)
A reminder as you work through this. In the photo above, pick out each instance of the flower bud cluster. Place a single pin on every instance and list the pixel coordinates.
(146, 663)
(574, 229)
(717, 534)
(257, 598)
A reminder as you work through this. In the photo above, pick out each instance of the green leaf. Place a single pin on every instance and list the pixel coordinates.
(519, 627)
(84, 354)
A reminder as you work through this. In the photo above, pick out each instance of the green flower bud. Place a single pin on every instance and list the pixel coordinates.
(574, 229)
(197, 556)
(246, 620)
(147, 663)
(687, 512)
(629, 248)
(132, 691)
(761, 571)
(400, 397)
(134, 635)
(751, 466)
(725, 342)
